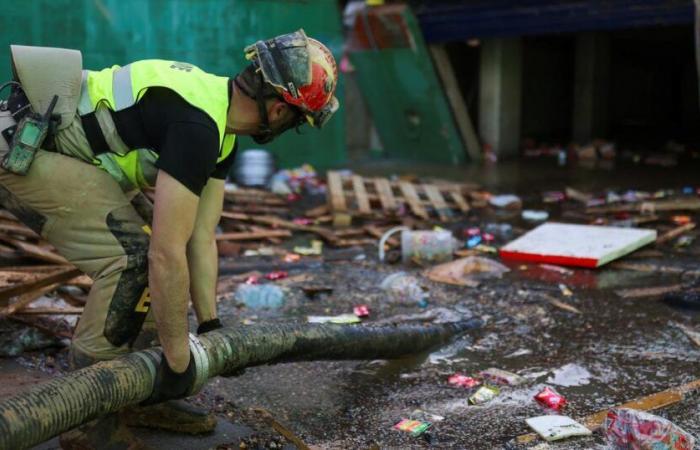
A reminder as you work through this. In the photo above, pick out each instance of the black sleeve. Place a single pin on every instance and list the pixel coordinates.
(224, 167)
(189, 153)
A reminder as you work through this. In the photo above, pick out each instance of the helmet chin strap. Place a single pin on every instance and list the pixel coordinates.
(265, 133)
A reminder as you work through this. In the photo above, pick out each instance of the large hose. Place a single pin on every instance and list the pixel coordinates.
(65, 402)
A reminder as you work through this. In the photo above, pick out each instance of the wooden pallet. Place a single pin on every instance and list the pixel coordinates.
(371, 197)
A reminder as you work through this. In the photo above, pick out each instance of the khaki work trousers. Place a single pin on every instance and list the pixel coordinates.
(81, 210)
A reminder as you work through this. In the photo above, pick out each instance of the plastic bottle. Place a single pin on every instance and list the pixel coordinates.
(260, 296)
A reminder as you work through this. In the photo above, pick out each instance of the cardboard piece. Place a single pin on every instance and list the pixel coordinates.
(554, 428)
(576, 245)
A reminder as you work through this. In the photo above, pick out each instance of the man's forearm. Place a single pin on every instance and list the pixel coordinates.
(168, 278)
(203, 260)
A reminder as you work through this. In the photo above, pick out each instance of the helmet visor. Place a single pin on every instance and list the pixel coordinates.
(318, 119)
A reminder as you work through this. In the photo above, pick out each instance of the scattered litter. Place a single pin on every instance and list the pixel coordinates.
(291, 257)
(519, 352)
(554, 428)
(316, 248)
(504, 377)
(339, 319)
(570, 375)
(277, 275)
(681, 219)
(561, 305)
(565, 291)
(684, 241)
(629, 428)
(483, 395)
(576, 245)
(260, 296)
(463, 381)
(361, 311)
(403, 288)
(426, 416)
(532, 215)
(466, 271)
(674, 233)
(551, 399)
(415, 427)
(507, 201)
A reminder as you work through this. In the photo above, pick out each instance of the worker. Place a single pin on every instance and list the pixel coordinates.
(153, 123)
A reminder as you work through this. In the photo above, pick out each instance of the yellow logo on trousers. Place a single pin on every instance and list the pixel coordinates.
(144, 302)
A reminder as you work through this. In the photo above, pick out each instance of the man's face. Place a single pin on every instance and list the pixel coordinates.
(281, 117)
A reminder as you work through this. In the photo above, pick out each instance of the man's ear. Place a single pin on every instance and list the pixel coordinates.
(278, 111)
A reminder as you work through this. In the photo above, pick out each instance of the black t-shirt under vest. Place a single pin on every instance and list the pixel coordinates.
(185, 138)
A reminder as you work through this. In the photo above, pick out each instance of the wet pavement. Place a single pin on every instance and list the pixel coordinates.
(615, 350)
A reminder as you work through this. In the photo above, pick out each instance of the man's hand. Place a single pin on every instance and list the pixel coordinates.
(174, 215)
(169, 385)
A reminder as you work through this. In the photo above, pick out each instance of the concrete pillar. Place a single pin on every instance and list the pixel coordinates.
(500, 95)
(591, 84)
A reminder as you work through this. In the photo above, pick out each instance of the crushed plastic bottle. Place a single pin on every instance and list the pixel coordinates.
(260, 296)
(403, 288)
(626, 428)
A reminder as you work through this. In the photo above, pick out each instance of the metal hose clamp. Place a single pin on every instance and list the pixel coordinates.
(201, 364)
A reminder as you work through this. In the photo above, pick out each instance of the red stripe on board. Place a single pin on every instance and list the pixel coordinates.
(550, 259)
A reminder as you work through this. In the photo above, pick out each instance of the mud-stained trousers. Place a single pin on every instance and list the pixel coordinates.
(81, 210)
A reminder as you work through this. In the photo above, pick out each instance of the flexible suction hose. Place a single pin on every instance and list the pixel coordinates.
(63, 403)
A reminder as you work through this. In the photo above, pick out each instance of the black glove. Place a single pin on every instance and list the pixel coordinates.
(169, 385)
(209, 325)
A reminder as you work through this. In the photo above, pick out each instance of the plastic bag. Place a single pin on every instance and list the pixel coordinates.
(638, 430)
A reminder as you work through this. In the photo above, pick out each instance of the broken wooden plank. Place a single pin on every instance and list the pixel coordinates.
(59, 276)
(18, 229)
(35, 251)
(692, 334)
(649, 207)
(414, 202)
(358, 184)
(386, 196)
(674, 233)
(71, 311)
(336, 193)
(252, 235)
(560, 304)
(457, 101)
(376, 232)
(654, 291)
(276, 222)
(318, 211)
(460, 201)
(438, 201)
(26, 299)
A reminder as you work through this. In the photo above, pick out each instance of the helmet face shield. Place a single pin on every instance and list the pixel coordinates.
(320, 118)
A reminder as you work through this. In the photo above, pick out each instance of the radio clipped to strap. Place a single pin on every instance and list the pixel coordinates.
(27, 139)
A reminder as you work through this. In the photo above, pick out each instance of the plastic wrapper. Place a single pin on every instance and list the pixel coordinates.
(415, 427)
(498, 376)
(463, 381)
(277, 275)
(551, 399)
(361, 310)
(484, 394)
(626, 428)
